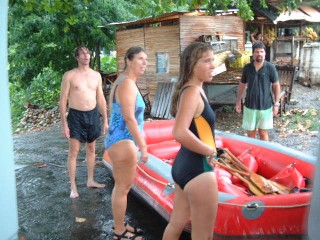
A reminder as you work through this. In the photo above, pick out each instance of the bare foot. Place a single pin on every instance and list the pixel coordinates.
(74, 194)
(94, 184)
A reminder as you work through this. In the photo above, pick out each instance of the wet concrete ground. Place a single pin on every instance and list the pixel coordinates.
(45, 210)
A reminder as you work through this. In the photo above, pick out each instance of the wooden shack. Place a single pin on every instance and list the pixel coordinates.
(165, 37)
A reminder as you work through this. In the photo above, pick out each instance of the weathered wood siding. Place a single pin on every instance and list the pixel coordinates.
(126, 39)
(153, 40)
(192, 27)
(161, 40)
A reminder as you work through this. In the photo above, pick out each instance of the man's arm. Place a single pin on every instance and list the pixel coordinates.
(65, 88)
(276, 93)
(252, 38)
(102, 105)
(241, 88)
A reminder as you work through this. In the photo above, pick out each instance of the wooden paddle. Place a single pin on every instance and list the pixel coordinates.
(252, 187)
(231, 169)
(265, 185)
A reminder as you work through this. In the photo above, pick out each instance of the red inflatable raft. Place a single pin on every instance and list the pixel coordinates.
(241, 215)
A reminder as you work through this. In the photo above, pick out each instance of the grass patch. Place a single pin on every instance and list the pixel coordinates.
(228, 108)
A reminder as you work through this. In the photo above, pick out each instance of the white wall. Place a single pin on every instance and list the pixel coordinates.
(310, 64)
(8, 200)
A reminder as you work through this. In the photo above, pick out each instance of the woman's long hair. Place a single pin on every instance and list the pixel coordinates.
(188, 60)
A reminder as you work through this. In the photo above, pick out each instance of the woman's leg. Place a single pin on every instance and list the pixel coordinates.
(179, 217)
(124, 157)
(202, 193)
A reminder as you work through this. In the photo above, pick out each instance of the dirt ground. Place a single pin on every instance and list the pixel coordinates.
(304, 99)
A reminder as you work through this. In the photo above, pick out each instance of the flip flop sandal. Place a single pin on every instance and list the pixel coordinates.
(124, 236)
(136, 231)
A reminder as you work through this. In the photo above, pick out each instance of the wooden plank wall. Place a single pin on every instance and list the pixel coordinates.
(163, 39)
(173, 40)
(153, 40)
(126, 39)
(192, 27)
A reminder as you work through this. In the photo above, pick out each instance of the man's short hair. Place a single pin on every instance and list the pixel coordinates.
(258, 44)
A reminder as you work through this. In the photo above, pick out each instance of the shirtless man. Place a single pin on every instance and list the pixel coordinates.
(81, 90)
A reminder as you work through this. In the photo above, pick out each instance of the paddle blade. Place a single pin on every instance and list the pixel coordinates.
(268, 186)
(261, 183)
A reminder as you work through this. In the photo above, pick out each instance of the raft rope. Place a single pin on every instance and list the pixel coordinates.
(156, 180)
(225, 203)
(258, 206)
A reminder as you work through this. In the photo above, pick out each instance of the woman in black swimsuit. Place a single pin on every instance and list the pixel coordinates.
(196, 194)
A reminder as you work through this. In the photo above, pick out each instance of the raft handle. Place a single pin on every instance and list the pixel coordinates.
(171, 185)
(252, 206)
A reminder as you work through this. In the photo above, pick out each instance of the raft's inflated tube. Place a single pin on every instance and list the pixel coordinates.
(158, 166)
(164, 170)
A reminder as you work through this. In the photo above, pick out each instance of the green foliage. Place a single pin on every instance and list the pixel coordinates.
(302, 120)
(44, 89)
(157, 7)
(42, 36)
(44, 32)
(108, 64)
(228, 108)
(17, 100)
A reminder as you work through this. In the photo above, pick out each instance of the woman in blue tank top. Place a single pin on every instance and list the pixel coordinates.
(124, 136)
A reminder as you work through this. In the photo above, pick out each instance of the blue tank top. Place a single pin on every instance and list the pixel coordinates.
(118, 129)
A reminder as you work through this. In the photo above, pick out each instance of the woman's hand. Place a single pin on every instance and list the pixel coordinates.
(144, 157)
(211, 159)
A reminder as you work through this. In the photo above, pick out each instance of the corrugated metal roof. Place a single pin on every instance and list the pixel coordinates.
(167, 17)
(304, 13)
(161, 18)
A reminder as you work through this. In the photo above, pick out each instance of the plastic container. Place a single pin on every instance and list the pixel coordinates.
(240, 62)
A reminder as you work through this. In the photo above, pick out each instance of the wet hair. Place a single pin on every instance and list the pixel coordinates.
(188, 60)
(131, 52)
(258, 44)
(79, 49)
